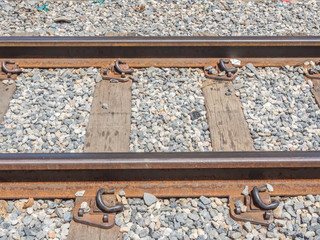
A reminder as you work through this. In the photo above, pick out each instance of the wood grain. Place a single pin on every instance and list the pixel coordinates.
(109, 129)
(316, 90)
(6, 92)
(79, 231)
(228, 127)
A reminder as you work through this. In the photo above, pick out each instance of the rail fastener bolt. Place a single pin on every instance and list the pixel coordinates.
(80, 212)
(237, 210)
(267, 215)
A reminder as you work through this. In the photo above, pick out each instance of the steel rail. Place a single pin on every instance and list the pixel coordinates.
(159, 41)
(98, 161)
(163, 174)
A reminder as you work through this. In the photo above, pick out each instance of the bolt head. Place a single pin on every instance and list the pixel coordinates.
(237, 210)
(80, 212)
(105, 218)
(267, 215)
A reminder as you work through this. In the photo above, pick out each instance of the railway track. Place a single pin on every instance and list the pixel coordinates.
(107, 163)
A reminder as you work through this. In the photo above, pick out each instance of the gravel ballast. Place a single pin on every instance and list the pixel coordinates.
(279, 107)
(168, 111)
(208, 218)
(35, 219)
(159, 18)
(49, 111)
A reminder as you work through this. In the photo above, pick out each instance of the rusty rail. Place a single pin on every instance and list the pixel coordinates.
(158, 47)
(163, 174)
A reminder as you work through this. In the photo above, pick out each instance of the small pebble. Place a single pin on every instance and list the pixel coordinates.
(245, 191)
(149, 199)
(269, 187)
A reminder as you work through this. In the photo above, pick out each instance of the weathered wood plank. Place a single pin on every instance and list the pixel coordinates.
(6, 92)
(79, 231)
(316, 90)
(109, 129)
(228, 127)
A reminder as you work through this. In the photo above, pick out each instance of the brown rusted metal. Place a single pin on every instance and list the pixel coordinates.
(9, 70)
(95, 217)
(106, 207)
(116, 71)
(14, 69)
(162, 174)
(257, 207)
(219, 78)
(222, 71)
(165, 188)
(312, 74)
(252, 214)
(147, 62)
(122, 67)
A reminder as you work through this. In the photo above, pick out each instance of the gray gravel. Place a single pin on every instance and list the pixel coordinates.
(168, 111)
(279, 107)
(160, 18)
(49, 111)
(49, 219)
(208, 218)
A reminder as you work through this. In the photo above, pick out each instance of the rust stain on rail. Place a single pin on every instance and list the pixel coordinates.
(158, 188)
(148, 62)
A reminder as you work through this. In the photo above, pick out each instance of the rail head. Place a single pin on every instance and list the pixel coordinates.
(122, 41)
(99, 161)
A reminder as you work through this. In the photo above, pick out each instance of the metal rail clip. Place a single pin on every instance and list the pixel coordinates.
(9, 70)
(99, 211)
(223, 70)
(256, 207)
(313, 73)
(116, 72)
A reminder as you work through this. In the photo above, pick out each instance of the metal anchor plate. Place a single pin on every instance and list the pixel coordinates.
(312, 73)
(223, 66)
(9, 70)
(117, 72)
(251, 215)
(258, 207)
(95, 216)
